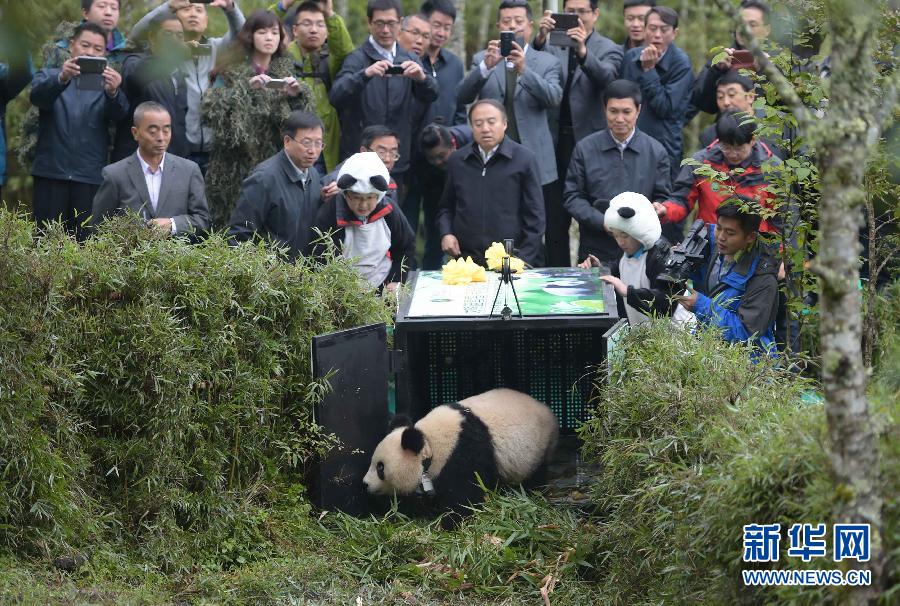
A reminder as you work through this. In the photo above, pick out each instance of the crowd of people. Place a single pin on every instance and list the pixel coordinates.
(282, 130)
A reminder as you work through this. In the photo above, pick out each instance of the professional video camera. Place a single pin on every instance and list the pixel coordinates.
(683, 260)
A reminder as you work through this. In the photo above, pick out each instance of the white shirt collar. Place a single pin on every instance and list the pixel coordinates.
(487, 155)
(387, 54)
(303, 174)
(146, 167)
(623, 144)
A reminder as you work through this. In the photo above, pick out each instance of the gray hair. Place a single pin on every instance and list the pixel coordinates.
(145, 108)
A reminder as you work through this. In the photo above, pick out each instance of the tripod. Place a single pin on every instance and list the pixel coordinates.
(507, 280)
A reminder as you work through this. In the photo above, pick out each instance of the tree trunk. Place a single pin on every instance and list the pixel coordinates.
(342, 8)
(484, 25)
(843, 148)
(842, 141)
(457, 42)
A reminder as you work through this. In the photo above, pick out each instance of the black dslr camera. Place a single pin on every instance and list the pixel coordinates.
(684, 259)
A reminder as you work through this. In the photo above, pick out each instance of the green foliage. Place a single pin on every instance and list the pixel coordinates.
(694, 441)
(155, 390)
(511, 546)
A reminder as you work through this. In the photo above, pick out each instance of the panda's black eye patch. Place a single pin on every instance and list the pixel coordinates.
(380, 469)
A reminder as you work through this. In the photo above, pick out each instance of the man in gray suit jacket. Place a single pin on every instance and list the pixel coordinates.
(165, 190)
(534, 78)
(588, 66)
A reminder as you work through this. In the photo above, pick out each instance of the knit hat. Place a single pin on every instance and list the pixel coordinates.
(633, 214)
(364, 173)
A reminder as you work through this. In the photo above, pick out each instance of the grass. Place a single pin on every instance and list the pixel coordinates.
(504, 554)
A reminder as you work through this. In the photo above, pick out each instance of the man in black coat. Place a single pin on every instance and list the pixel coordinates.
(76, 111)
(493, 192)
(280, 198)
(367, 91)
(157, 77)
(617, 159)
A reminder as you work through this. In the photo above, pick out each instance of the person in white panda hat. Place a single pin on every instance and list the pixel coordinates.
(365, 225)
(633, 222)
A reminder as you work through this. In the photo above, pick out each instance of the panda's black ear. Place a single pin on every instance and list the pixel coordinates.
(412, 440)
(378, 183)
(626, 212)
(399, 421)
(346, 181)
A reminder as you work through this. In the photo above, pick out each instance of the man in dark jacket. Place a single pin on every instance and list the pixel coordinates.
(157, 77)
(73, 135)
(663, 71)
(755, 15)
(279, 200)
(587, 69)
(493, 192)
(436, 143)
(617, 159)
(736, 289)
(195, 19)
(365, 93)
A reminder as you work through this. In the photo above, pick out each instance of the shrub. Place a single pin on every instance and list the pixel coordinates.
(156, 390)
(694, 441)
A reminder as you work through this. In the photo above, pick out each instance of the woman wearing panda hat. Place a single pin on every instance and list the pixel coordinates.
(634, 224)
(364, 225)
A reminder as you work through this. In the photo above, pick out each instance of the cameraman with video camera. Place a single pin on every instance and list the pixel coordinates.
(736, 288)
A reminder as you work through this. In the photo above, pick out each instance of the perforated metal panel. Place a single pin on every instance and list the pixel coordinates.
(553, 366)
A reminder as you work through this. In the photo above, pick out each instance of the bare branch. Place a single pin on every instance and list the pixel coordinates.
(785, 89)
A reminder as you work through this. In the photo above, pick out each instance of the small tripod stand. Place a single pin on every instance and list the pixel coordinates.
(506, 279)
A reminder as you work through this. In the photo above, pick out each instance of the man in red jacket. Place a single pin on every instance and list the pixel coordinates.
(739, 155)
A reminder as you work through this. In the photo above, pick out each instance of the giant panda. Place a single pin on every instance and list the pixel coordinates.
(502, 435)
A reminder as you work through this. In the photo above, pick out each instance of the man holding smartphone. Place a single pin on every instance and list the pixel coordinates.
(755, 15)
(527, 83)
(588, 67)
(195, 20)
(365, 92)
(73, 135)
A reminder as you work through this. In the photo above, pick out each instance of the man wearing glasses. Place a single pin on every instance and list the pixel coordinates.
(380, 83)
(279, 200)
(587, 68)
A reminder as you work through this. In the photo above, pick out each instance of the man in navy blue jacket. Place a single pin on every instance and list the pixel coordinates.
(663, 71)
(73, 135)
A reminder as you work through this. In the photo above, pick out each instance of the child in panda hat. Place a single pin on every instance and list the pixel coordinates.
(633, 222)
(364, 225)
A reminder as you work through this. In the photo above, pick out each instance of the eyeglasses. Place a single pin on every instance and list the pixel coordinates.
(383, 24)
(581, 12)
(309, 143)
(417, 34)
(386, 155)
